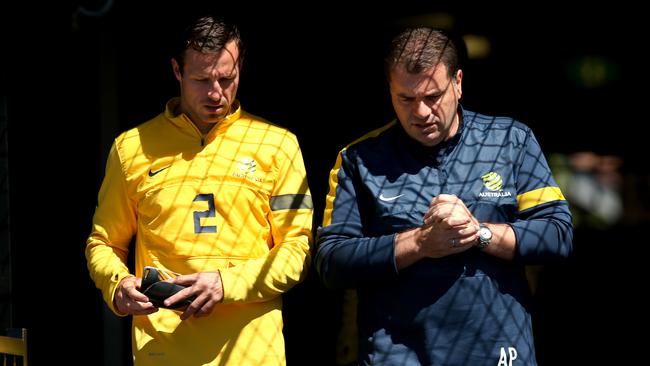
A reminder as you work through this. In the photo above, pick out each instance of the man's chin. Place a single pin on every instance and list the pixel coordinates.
(216, 113)
(214, 117)
(430, 139)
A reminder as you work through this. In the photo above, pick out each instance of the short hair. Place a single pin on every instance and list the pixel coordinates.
(208, 34)
(419, 49)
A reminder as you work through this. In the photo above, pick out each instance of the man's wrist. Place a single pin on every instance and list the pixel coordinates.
(484, 237)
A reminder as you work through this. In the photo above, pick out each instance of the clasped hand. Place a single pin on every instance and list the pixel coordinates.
(448, 226)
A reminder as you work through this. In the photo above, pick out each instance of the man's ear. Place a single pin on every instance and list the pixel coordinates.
(177, 70)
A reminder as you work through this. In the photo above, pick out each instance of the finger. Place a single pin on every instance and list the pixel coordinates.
(179, 296)
(439, 213)
(446, 198)
(433, 201)
(453, 200)
(130, 289)
(441, 198)
(129, 306)
(469, 231)
(187, 313)
(185, 280)
(468, 241)
(135, 295)
(143, 308)
(138, 296)
(448, 208)
(456, 221)
(427, 215)
(195, 306)
(467, 236)
(205, 310)
(428, 220)
(191, 309)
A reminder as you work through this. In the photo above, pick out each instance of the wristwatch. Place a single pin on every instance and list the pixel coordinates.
(484, 237)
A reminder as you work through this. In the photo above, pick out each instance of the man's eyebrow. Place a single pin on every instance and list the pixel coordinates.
(401, 94)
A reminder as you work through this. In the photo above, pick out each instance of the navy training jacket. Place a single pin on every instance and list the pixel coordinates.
(464, 309)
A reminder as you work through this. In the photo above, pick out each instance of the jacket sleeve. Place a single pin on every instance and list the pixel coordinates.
(346, 258)
(290, 219)
(114, 224)
(543, 227)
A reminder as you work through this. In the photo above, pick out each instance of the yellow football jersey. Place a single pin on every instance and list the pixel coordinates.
(235, 200)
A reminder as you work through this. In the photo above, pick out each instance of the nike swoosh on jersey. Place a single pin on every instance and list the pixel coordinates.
(388, 199)
(152, 173)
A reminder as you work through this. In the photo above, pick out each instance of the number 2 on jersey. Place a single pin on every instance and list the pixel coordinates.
(210, 212)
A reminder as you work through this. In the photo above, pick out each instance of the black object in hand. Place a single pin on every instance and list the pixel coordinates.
(158, 290)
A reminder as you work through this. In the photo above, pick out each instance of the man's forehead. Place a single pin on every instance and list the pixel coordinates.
(434, 77)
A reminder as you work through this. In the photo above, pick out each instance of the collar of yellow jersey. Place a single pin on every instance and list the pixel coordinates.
(171, 112)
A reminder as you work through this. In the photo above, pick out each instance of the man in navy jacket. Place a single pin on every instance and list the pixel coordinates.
(432, 218)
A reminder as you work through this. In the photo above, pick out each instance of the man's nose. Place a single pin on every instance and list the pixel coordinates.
(422, 110)
(215, 92)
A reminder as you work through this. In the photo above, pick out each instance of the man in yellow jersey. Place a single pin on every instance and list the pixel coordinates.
(216, 197)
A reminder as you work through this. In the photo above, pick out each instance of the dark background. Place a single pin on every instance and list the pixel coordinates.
(71, 82)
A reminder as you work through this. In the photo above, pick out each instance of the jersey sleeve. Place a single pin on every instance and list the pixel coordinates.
(290, 217)
(114, 224)
(344, 257)
(543, 227)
